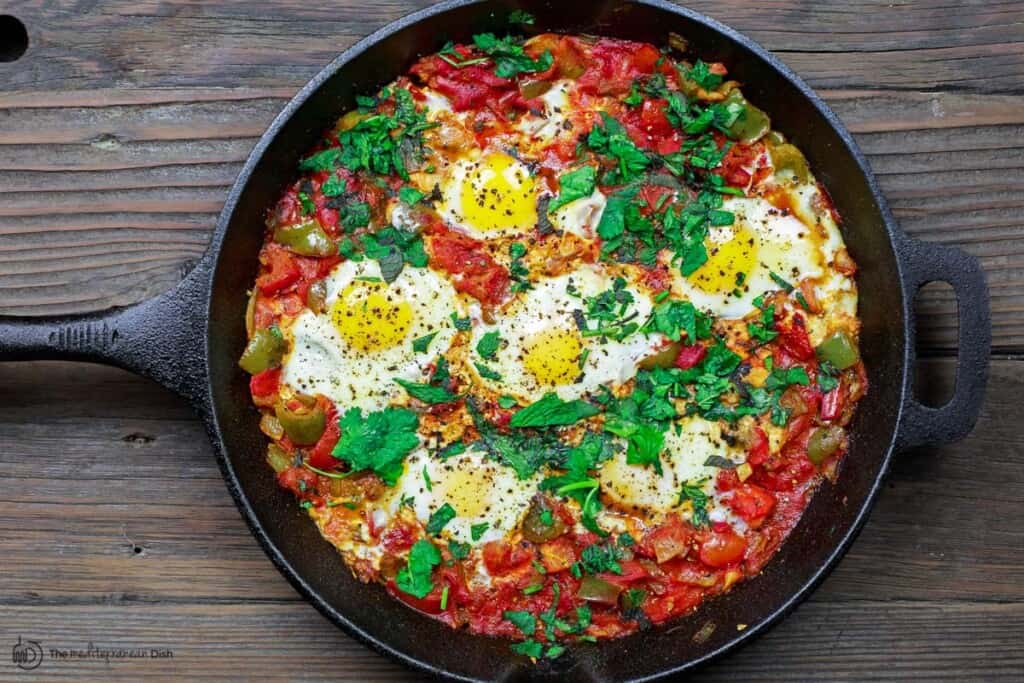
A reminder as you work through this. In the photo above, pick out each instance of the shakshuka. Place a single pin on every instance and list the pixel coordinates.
(554, 338)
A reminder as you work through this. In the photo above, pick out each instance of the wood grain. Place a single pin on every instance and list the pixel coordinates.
(122, 129)
(114, 494)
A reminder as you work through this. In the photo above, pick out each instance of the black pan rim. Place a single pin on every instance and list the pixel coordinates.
(214, 426)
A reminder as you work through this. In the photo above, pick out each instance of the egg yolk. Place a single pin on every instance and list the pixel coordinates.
(552, 356)
(498, 194)
(727, 261)
(369, 317)
(467, 491)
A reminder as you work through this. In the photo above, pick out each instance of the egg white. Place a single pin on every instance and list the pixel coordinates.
(322, 361)
(538, 321)
(582, 216)
(543, 127)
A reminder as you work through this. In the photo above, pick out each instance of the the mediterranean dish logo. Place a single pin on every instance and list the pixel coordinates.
(28, 654)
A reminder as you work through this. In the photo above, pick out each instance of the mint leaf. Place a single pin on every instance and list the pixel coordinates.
(427, 393)
(488, 345)
(551, 410)
(421, 344)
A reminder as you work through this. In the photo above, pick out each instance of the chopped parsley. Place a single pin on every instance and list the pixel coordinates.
(517, 270)
(381, 143)
(763, 331)
(440, 518)
(522, 620)
(701, 74)
(610, 310)
(578, 483)
(333, 186)
(414, 577)
(699, 500)
(410, 195)
(673, 318)
(392, 248)
(574, 185)
(601, 557)
(451, 450)
(509, 57)
(524, 452)
(610, 138)
(477, 531)
(459, 551)
(378, 442)
(827, 380)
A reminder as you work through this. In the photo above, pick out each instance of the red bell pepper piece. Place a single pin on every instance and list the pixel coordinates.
(690, 356)
(832, 404)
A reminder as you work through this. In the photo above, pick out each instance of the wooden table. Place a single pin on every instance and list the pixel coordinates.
(122, 128)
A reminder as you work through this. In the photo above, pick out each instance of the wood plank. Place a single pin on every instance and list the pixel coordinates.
(183, 44)
(114, 497)
(289, 641)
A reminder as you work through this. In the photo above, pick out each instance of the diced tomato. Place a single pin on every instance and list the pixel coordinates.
(311, 270)
(690, 356)
(793, 338)
(399, 537)
(675, 600)
(264, 314)
(832, 404)
(430, 603)
(667, 541)
(558, 555)
(650, 129)
(654, 196)
(632, 571)
(500, 557)
(758, 450)
(264, 386)
(786, 474)
(752, 503)
(299, 481)
(722, 548)
(474, 271)
(613, 65)
(328, 219)
(735, 164)
(470, 87)
(282, 272)
(797, 426)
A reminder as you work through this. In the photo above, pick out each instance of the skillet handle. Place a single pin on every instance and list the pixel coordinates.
(163, 338)
(923, 263)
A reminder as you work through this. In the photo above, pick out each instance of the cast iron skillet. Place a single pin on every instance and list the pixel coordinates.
(189, 340)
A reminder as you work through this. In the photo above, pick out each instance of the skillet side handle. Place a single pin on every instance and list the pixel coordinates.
(924, 263)
(163, 338)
